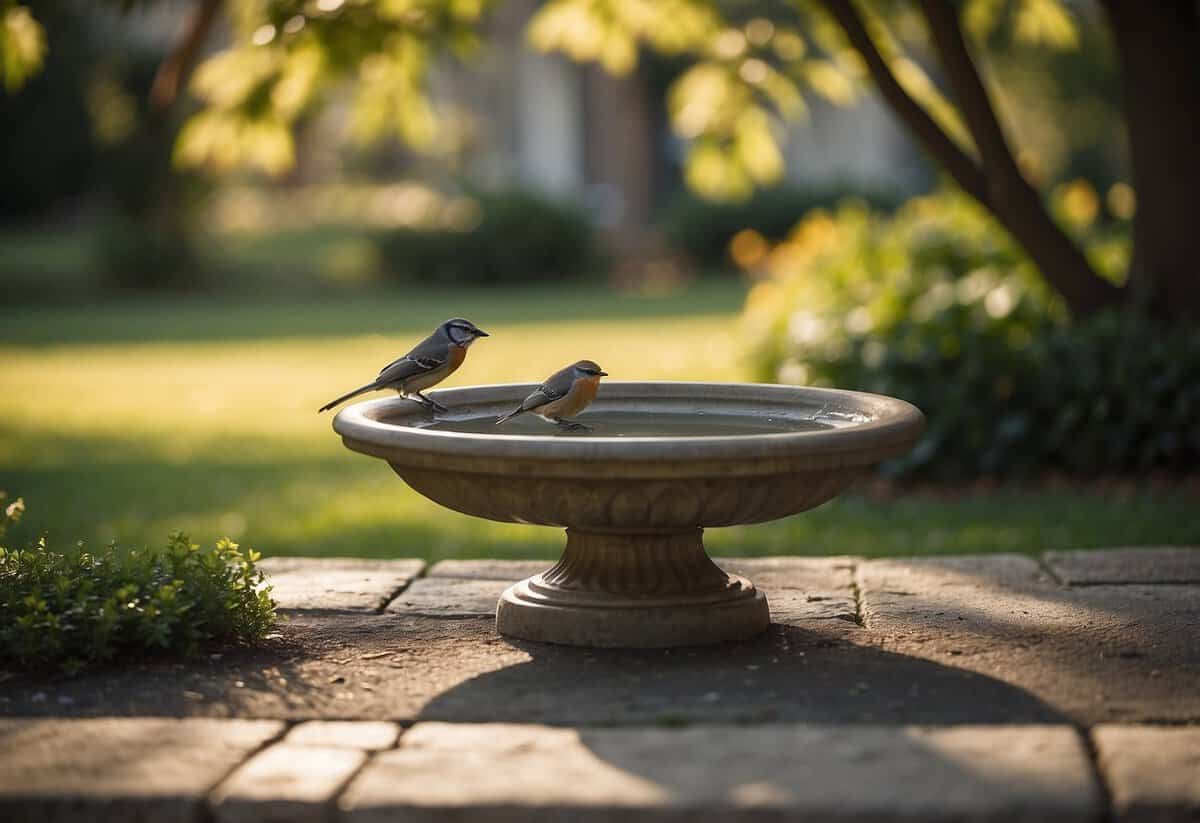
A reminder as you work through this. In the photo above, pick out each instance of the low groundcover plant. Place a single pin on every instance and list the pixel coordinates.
(74, 608)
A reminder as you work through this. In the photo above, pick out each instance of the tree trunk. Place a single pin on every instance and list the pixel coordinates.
(1159, 45)
(176, 68)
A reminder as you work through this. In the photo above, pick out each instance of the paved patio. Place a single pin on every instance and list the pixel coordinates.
(1000, 687)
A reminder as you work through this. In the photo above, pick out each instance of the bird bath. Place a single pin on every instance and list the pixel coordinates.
(662, 462)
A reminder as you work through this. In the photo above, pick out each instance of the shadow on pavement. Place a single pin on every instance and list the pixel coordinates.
(786, 675)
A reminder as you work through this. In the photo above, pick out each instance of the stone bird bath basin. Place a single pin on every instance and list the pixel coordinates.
(663, 462)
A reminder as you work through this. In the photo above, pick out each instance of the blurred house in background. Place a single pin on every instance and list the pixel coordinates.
(519, 118)
(576, 131)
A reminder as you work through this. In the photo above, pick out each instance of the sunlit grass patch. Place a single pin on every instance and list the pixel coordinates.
(112, 433)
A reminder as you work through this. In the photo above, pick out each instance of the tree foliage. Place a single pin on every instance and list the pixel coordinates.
(22, 45)
(750, 68)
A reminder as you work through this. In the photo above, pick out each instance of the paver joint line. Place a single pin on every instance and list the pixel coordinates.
(256, 808)
(337, 584)
(1152, 772)
(249, 755)
(382, 607)
(1093, 757)
(420, 575)
(718, 771)
(1049, 570)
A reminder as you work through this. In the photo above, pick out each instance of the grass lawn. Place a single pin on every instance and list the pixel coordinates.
(128, 419)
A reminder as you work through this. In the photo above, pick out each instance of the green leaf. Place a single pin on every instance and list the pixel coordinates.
(22, 46)
(1046, 23)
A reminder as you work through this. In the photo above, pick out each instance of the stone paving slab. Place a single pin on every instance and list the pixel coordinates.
(1096, 653)
(337, 584)
(495, 772)
(450, 597)
(821, 573)
(483, 569)
(991, 572)
(1153, 773)
(801, 588)
(316, 666)
(286, 783)
(1083, 567)
(110, 769)
(366, 735)
(793, 607)
(370, 667)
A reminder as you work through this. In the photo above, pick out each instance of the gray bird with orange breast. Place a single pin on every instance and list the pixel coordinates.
(430, 362)
(564, 394)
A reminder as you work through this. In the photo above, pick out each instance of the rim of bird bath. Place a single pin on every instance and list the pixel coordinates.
(634, 572)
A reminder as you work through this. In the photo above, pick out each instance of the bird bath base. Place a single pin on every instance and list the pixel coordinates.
(633, 591)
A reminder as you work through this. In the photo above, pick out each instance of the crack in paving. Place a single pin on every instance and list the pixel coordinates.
(856, 591)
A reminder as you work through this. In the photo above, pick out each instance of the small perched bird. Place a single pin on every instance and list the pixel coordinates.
(565, 393)
(430, 362)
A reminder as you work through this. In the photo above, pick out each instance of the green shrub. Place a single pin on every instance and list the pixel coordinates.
(936, 305)
(702, 229)
(71, 609)
(508, 237)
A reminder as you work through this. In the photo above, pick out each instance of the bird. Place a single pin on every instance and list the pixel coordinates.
(565, 393)
(430, 362)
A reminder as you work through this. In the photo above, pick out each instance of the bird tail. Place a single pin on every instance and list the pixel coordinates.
(347, 396)
(510, 415)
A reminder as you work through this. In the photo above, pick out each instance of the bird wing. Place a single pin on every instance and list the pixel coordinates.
(540, 397)
(426, 356)
(556, 386)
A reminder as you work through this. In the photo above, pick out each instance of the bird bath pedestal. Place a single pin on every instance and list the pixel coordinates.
(663, 462)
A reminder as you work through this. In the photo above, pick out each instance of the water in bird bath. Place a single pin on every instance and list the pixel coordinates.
(636, 424)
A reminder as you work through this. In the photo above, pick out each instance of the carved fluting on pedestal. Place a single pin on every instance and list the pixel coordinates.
(639, 590)
(648, 564)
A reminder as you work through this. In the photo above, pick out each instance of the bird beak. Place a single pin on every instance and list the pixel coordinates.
(481, 333)
(603, 374)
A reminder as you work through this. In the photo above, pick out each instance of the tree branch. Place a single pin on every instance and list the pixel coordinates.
(177, 66)
(996, 183)
(958, 163)
(1007, 193)
(972, 97)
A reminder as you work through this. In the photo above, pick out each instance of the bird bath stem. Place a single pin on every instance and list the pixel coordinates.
(634, 589)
